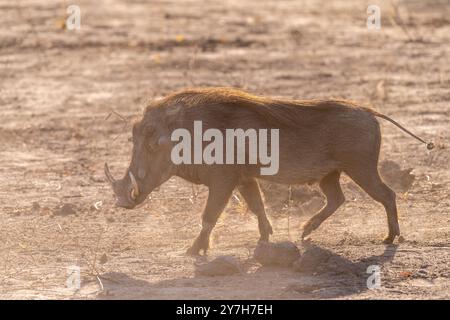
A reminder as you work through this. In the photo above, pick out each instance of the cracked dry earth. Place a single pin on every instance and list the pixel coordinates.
(57, 88)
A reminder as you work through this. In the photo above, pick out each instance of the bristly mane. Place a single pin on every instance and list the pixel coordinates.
(274, 110)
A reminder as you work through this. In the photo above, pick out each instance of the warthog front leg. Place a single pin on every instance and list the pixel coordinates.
(252, 195)
(218, 197)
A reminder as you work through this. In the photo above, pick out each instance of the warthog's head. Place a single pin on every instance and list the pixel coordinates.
(150, 161)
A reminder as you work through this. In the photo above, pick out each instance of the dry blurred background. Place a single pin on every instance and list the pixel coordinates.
(68, 98)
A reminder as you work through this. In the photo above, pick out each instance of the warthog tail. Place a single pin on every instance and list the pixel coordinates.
(430, 145)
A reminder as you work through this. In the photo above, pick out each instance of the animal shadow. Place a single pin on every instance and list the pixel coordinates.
(330, 275)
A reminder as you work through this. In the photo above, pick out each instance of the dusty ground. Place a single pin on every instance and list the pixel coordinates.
(58, 86)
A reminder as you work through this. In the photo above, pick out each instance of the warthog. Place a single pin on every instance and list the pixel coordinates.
(318, 139)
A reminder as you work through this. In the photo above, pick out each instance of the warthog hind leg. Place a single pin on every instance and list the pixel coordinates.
(335, 198)
(370, 181)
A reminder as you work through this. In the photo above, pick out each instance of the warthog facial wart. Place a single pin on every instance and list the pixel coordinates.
(213, 153)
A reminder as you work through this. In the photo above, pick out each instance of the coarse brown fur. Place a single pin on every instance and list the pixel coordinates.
(318, 140)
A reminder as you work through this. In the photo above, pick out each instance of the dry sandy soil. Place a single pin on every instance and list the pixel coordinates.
(58, 87)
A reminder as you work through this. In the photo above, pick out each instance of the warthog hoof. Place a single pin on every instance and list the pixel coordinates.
(193, 251)
(389, 239)
(198, 245)
(266, 232)
(269, 228)
(309, 227)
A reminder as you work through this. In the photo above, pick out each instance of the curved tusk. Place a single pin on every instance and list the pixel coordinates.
(134, 184)
(108, 174)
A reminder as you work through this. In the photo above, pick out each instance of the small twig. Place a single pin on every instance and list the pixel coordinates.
(398, 21)
(171, 198)
(96, 250)
(108, 278)
(190, 66)
(117, 114)
(288, 213)
(194, 192)
(100, 282)
(126, 122)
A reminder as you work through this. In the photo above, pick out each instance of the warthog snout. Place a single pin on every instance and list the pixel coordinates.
(126, 190)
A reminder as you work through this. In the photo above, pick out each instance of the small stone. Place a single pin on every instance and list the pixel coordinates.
(221, 266)
(35, 208)
(311, 259)
(280, 254)
(422, 273)
(66, 209)
(401, 239)
(97, 206)
(103, 259)
(46, 211)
